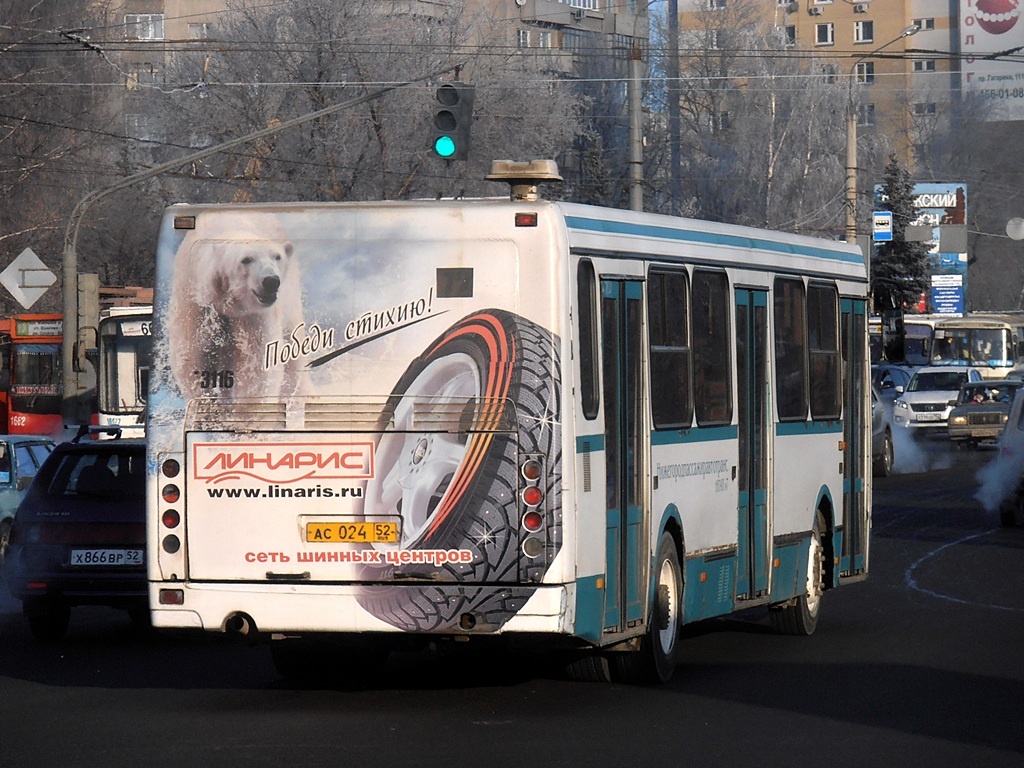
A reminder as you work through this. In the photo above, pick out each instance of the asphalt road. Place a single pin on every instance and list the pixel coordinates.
(918, 666)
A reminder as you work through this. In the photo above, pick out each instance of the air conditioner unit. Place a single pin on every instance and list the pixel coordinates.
(814, 10)
(860, 8)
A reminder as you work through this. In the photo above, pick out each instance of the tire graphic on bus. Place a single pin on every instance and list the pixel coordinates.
(456, 489)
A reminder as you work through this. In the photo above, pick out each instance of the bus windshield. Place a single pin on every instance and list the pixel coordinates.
(917, 343)
(35, 378)
(991, 347)
(124, 365)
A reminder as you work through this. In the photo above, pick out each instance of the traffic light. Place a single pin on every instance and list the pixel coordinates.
(453, 117)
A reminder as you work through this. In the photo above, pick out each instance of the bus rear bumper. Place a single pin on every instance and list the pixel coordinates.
(293, 608)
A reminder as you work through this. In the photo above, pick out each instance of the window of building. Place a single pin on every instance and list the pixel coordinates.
(716, 5)
(573, 40)
(143, 127)
(824, 34)
(589, 5)
(924, 65)
(199, 31)
(866, 114)
(823, 346)
(865, 72)
(667, 318)
(924, 108)
(789, 308)
(144, 74)
(544, 38)
(720, 122)
(712, 352)
(790, 35)
(924, 24)
(863, 31)
(522, 38)
(144, 26)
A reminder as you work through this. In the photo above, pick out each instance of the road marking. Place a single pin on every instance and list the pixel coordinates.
(911, 582)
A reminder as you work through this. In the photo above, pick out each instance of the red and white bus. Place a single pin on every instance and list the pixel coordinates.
(30, 374)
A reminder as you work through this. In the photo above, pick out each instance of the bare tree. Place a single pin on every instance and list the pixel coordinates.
(49, 141)
(762, 127)
(278, 61)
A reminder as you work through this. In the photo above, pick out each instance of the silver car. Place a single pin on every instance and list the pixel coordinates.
(882, 452)
(924, 407)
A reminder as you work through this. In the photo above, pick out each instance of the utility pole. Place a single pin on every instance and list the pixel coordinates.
(636, 139)
(851, 137)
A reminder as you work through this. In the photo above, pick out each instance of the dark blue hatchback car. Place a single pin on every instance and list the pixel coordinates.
(79, 537)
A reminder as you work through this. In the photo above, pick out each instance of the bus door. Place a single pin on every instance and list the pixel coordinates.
(753, 415)
(621, 338)
(855, 499)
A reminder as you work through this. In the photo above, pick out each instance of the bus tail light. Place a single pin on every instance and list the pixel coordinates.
(170, 556)
(532, 497)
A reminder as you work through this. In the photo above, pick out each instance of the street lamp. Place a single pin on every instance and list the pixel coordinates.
(851, 138)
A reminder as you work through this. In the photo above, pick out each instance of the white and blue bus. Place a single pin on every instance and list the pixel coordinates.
(372, 423)
(125, 349)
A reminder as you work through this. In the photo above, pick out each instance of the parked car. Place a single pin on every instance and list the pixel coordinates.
(80, 535)
(924, 407)
(981, 411)
(882, 451)
(20, 459)
(891, 380)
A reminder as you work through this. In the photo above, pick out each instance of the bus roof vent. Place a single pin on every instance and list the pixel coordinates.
(524, 178)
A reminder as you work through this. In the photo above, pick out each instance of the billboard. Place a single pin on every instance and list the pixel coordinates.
(940, 205)
(991, 39)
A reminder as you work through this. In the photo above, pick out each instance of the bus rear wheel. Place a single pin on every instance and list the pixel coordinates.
(656, 660)
(799, 616)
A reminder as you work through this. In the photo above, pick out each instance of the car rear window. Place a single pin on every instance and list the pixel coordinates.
(107, 474)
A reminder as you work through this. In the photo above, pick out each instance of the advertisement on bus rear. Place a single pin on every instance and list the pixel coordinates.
(359, 400)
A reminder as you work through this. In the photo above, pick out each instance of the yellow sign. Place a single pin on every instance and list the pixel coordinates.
(352, 533)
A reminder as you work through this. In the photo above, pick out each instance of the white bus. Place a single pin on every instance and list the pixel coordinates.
(395, 421)
(990, 341)
(125, 349)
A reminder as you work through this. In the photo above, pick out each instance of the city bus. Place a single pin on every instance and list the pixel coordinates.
(125, 344)
(989, 341)
(30, 374)
(378, 424)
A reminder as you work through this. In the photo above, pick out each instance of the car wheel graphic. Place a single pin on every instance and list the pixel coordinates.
(496, 375)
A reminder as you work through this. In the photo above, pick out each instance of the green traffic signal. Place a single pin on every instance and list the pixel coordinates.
(453, 119)
(444, 146)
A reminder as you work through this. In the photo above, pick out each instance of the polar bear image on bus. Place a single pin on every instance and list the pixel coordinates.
(235, 291)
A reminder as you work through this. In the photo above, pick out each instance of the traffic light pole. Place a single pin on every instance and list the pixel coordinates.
(70, 357)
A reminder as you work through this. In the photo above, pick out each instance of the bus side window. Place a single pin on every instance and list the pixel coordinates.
(823, 343)
(712, 352)
(667, 313)
(586, 285)
(790, 349)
